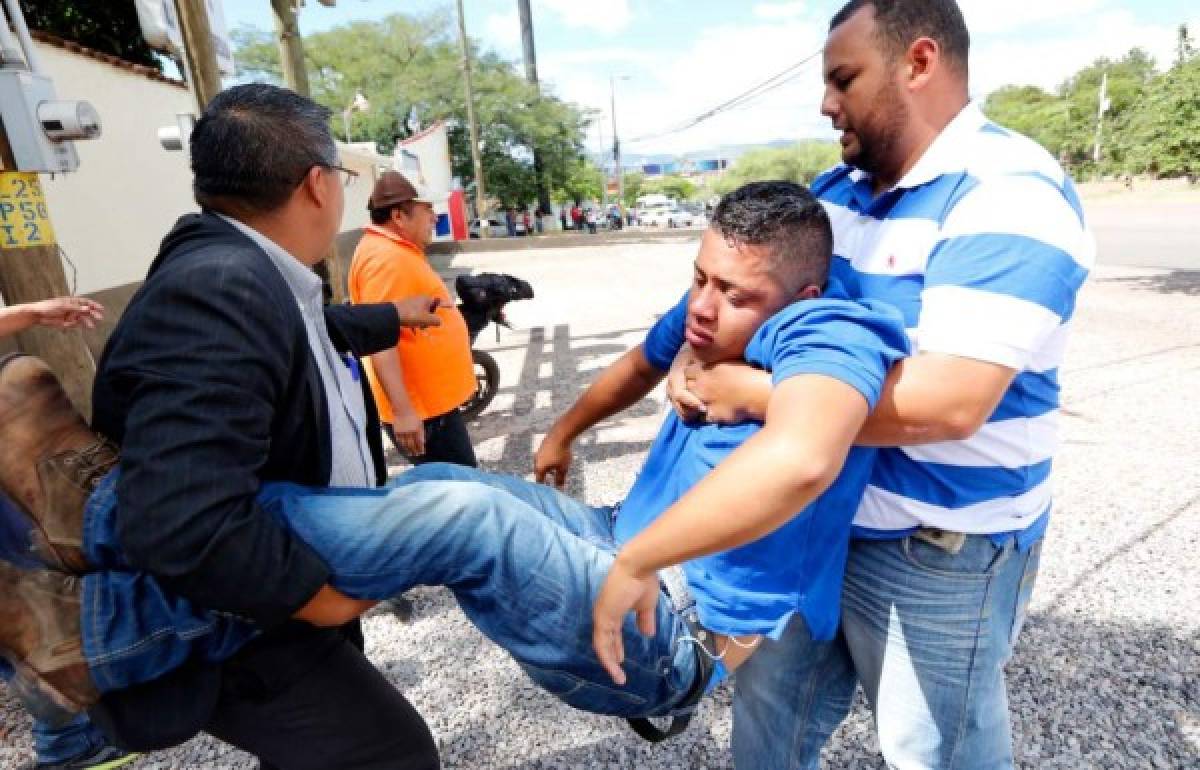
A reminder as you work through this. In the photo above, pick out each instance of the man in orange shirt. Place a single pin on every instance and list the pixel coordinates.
(420, 384)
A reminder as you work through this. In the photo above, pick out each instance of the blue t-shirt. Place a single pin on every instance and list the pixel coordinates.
(755, 589)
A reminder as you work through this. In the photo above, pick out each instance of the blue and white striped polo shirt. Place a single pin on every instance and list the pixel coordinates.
(983, 248)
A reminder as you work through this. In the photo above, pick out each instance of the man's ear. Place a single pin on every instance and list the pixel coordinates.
(921, 61)
(811, 291)
(315, 187)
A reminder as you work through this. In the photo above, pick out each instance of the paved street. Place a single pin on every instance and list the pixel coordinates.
(1106, 670)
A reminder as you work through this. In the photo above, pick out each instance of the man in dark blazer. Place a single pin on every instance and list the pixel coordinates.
(225, 372)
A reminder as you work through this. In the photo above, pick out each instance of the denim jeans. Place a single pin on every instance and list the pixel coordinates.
(58, 743)
(524, 561)
(926, 632)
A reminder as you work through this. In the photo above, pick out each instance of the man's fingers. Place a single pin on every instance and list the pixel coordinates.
(610, 652)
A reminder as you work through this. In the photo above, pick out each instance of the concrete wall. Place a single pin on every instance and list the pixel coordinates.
(110, 215)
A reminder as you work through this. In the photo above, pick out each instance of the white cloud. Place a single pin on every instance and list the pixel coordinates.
(667, 87)
(607, 18)
(779, 10)
(988, 17)
(1048, 61)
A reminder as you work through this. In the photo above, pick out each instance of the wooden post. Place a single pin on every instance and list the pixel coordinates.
(201, 60)
(472, 125)
(31, 270)
(291, 46)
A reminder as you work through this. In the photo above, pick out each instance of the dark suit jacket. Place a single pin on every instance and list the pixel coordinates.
(209, 387)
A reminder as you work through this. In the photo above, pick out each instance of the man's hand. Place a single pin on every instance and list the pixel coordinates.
(409, 429)
(331, 607)
(67, 312)
(553, 458)
(418, 311)
(623, 590)
(731, 391)
(686, 404)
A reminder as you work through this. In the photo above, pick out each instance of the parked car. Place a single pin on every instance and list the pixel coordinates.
(495, 228)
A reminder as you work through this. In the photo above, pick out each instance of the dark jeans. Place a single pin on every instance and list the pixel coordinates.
(446, 441)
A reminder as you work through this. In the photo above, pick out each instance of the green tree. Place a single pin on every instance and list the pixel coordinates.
(101, 25)
(584, 181)
(406, 64)
(1161, 135)
(1031, 111)
(633, 181)
(1127, 81)
(672, 186)
(800, 163)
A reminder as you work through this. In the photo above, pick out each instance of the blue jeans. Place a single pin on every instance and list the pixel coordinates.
(524, 561)
(927, 633)
(55, 744)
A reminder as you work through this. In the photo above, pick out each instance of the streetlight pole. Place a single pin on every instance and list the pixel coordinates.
(612, 96)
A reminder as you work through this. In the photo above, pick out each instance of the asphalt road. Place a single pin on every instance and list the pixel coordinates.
(1145, 232)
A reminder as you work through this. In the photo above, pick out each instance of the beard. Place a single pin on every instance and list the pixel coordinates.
(879, 131)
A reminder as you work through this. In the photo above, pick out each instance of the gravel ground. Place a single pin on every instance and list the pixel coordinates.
(1106, 672)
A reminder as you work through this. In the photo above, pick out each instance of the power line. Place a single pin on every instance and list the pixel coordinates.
(780, 78)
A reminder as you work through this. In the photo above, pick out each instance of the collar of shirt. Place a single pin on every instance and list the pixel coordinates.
(395, 238)
(944, 155)
(304, 283)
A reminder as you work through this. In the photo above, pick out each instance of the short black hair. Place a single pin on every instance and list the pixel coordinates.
(899, 22)
(785, 218)
(254, 144)
(382, 214)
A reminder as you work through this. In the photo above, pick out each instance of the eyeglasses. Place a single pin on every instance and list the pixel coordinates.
(350, 175)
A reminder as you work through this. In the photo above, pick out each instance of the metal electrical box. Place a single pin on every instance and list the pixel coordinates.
(30, 111)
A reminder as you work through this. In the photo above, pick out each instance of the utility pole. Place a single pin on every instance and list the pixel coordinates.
(291, 46)
(480, 195)
(1101, 108)
(539, 170)
(30, 266)
(612, 96)
(199, 57)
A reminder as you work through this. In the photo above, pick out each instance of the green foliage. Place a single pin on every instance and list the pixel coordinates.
(633, 181)
(800, 163)
(584, 181)
(408, 63)
(1152, 124)
(1031, 111)
(672, 186)
(101, 25)
(1162, 136)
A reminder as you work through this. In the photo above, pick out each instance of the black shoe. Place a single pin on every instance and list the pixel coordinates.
(103, 758)
(400, 607)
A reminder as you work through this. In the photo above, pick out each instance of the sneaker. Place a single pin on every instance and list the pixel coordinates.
(103, 758)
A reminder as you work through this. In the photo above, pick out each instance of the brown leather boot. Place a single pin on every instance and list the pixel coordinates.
(50, 461)
(40, 636)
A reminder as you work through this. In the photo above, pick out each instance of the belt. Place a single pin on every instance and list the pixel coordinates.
(674, 584)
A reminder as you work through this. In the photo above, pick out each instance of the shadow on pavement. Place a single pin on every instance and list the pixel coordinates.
(1185, 282)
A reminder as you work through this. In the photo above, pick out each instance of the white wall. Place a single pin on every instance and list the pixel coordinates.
(110, 215)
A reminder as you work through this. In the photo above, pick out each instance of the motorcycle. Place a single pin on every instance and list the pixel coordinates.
(481, 300)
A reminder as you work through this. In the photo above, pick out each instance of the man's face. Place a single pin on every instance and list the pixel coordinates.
(416, 221)
(732, 294)
(863, 95)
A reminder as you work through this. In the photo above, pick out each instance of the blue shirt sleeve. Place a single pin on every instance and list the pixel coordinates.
(855, 342)
(665, 338)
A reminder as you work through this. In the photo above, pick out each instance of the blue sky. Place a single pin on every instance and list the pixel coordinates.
(684, 56)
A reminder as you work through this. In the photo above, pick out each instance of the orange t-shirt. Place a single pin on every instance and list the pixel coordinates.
(438, 372)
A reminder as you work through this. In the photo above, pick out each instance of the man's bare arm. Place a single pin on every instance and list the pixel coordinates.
(330, 607)
(407, 424)
(619, 387)
(926, 398)
(812, 421)
(934, 397)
